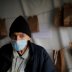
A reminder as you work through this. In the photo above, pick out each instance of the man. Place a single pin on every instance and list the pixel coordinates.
(21, 55)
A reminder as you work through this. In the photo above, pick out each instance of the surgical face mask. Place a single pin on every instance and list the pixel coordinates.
(19, 44)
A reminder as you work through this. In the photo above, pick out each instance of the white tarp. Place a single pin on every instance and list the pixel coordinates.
(35, 7)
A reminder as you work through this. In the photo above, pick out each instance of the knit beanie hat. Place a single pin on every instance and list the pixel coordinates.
(20, 25)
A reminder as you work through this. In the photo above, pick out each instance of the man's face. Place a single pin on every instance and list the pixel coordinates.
(20, 36)
(20, 45)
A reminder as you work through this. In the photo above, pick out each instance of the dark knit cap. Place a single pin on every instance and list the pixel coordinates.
(20, 25)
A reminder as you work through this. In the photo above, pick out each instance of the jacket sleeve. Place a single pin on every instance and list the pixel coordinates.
(48, 65)
(5, 58)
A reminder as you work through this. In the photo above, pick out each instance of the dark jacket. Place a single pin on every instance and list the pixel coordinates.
(39, 60)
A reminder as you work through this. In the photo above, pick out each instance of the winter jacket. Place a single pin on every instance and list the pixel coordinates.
(39, 60)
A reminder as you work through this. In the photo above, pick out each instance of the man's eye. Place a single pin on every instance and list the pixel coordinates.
(21, 36)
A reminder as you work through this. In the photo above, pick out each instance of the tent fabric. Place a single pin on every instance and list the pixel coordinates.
(35, 7)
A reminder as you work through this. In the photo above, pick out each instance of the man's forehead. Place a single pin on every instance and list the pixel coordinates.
(21, 34)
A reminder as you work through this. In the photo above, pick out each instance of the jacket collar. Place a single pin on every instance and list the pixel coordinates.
(24, 56)
(31, 55)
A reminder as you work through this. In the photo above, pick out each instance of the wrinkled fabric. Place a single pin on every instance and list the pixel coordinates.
(35, 7)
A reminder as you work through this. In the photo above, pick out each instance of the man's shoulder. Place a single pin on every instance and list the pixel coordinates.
(37, 48)
(40, 52)
(6, 47)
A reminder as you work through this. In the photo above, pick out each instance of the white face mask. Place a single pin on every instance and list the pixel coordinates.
(19, 44)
